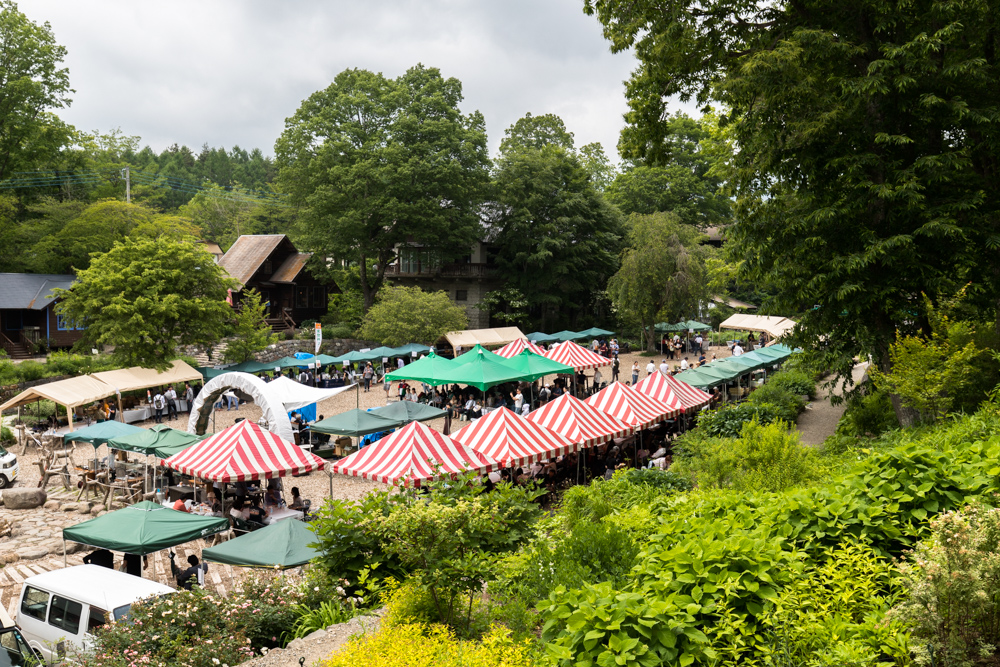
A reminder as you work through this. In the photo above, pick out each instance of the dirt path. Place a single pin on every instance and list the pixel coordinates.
(820, 419)
(316, 647)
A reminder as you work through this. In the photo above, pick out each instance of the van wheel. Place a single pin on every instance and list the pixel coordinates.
(4, 482)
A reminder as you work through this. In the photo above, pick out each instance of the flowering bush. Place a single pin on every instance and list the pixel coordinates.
(952, 579)
(198, 629)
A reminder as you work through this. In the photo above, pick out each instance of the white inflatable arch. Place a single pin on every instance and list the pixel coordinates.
(247, 385)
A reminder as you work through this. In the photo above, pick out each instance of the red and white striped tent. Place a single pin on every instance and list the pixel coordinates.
(579, 422)
(411, 454)
(241, 453)
(630, 406)
(513, 440)
(515, 347)
(691, 398)
(656, 386)
(577, 356)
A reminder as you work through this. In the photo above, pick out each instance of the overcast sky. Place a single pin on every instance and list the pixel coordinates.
(228, 72)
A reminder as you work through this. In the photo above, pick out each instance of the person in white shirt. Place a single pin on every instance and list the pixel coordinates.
(171, 397)
(650, 367)
(737, 350)
(664, 367)
(684, 364)
(698, 341)
(597, 378)
(525, 409)
(518, 400)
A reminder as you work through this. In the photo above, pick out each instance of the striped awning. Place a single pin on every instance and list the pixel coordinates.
(577, 356)
(691, 398)
(515, 347)
(513, 440)
(656, 386)
(241, 453)
(579, 422)
(630, 406)
(411, 454)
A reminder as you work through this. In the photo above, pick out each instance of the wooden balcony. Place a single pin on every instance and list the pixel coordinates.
(447, 271)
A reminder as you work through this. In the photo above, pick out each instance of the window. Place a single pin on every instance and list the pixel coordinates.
(63, 323)
(65, 614)
(301, 297)
(13, 320)
(461, 295)
(17, 652)
(268, 268)
(97, 618)
(35, 603)
(319, 297)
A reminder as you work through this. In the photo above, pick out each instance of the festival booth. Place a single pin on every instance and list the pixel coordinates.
(142, 529)
(297, 397)
(480, 368)
(513, 440)
(705, 377)
(245, 452)
(663, 388)
(595, 332)
(772, 325)
(577, 356)
(101, 432)
(539, 337)
(426, 369)
(408, 411)
(579, 422)
(279, 546)
(463, 340)
(567, 335)
(514, 348)
(413, 454)
(635, 409)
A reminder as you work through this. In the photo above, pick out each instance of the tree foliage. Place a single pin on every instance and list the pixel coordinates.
(378, 162)
(33, 84)
(866, 173)
(251, 332)
(147, 298)
(410, 315)
(662, 273)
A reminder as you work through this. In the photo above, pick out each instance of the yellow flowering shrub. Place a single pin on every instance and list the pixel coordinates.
(420, 645)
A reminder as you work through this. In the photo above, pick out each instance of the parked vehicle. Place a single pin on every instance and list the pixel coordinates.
(14, 649)
(8, 468)
(58, 610)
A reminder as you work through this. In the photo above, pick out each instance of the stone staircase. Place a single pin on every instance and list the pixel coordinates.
(216, 358)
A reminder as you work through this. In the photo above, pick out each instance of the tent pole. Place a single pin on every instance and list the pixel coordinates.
(330, 475)
(69, 416)
(357, 395)
(64, 551)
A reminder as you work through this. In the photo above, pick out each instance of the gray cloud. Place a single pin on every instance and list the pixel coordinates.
(229, 72)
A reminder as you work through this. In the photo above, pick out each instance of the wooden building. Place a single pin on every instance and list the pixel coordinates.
(27, 314)
(270, 264)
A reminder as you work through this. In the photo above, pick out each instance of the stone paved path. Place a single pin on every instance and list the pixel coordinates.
(821, 417)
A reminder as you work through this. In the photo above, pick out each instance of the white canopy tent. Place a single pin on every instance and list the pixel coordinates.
(773, 325)
(293, 395)
(486, 337)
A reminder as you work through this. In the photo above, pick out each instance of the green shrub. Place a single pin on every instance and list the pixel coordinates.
(763, 458)
(799, 382)
(338, 331)
(602, 497)
(727, 421)
(789, 404)
(868, 414)
(7, 437)
(664, 480)
(308, 619)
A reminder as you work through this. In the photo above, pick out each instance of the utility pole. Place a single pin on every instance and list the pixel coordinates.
(128, 185)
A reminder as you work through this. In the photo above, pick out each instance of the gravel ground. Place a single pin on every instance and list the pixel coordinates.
(317, 646)
(820, 419)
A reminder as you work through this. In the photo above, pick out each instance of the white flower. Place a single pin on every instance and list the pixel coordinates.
(215, 661)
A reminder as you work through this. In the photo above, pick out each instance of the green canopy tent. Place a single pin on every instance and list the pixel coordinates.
(693, 325)
(702, 378)
(539, 337)
(666, 326)
(143, 528)
(280, 546)
(594, 332)
(408, 411)
(99, 433)
(355, 423)
(565, 335)
(160, 441)
(738, 364)
(480, 368)
(355, 357)
(408, 350)
(383, 352)
(425, 370)
(534, 366)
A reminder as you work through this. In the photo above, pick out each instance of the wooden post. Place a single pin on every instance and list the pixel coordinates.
(121, 413)
(69, 416)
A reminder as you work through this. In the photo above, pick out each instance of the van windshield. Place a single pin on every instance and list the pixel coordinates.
(3, 451)
(122, 612)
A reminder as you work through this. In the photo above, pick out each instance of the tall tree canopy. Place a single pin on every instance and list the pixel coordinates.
(377, 162)
(662, 273)
(148, 297)
(411, 315)
(32, 84)
(867, 171)
(554, 236)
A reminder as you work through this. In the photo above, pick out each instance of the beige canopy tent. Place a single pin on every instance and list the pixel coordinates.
(74, 392)
(771, 324)
(486, 337)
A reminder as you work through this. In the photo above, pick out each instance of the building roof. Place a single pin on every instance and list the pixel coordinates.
(31, 291)
(248, 253)
(290, 268)
(733, 303)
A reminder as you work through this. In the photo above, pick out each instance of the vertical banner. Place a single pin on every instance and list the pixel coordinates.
(319, 337)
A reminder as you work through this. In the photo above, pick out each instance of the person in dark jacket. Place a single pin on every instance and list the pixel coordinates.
(191, 576)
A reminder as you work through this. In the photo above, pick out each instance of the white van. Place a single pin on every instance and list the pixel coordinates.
(8, 468)
(59, 610)
(14, 650)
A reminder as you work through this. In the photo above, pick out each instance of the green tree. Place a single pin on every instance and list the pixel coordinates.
(554, 235)
(33, 84)
(868, 138)
(596, 162)
(410, 315)
(377, 162)
(251, 332)
(535, 133)
(662, 273)
(149, 297)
